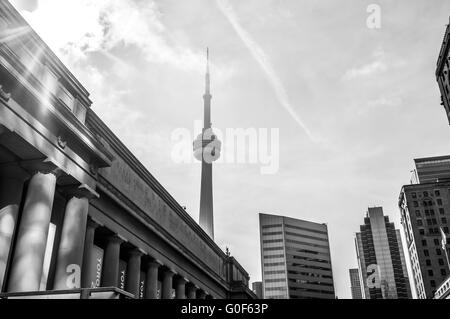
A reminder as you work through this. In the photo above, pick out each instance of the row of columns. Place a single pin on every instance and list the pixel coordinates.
(183, 288)
(77, 241)
(31, 241)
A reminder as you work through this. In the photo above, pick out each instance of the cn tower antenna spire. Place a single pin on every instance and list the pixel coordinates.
(208, 76)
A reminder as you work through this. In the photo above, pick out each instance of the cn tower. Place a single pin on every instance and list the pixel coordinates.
(207, 149)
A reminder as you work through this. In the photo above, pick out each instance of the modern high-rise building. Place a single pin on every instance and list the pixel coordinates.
(425, 211)
(207, 149)
(257, 288)
(381, 261)
(295, 258)
(355, 284)
(443, 72)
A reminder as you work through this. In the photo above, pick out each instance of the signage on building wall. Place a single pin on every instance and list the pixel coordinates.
(373, 277)
(95, 270)
(142, 195)
(142, 285)
(122, 274)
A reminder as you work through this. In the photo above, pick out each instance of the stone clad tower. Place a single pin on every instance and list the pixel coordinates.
(207, 149)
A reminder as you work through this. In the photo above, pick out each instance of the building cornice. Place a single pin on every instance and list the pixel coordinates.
(55, 107)
(14, 17)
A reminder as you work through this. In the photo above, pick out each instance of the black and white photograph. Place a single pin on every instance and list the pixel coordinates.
(232, 156)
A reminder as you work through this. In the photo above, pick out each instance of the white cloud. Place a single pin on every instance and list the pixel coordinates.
(74, 28)
(377, 66)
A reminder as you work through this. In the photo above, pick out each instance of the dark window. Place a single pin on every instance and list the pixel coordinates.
(436, 242)
(426, 253)
(430, 273)
(432, 212)
(446, 230)
(413, 195)
(418, 213)
(419, 222)
(434, 221)
(425, 194)
(427, 212)
(424, 242)
(428, 262)
(439, 202)
(441, 211)
(437, 193)
(438, 252)
(441, 262)
(429, 222)
(444, 220)
(443, 272)
(433, 283)
(416, 204)
(422, 231)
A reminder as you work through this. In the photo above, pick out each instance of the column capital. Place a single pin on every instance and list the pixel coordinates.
(93, 224)
(191, 285)
(169, 272)
(181, 280)
(136, 252)
(43, 166)
(153, 263)
(81, 191)
(116, 239)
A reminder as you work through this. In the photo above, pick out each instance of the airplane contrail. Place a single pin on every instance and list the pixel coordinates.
(264, 61)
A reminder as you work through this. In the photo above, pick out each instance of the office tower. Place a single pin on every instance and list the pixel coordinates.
(355, 284)
(207, 150)
(295, 258)
(257, 288)
(381, 260)
(443, 72)
(425, 211)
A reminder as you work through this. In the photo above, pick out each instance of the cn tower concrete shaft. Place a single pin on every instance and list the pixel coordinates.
(207, 150)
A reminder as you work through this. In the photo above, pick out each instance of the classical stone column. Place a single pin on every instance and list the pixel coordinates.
(201, 294)
(111, 262)
(180, 288)
(27, 263)
(134, 272)
(151, 285)
(191, 291)
(167, 284)
(70, 252)
(11, 189)
(87, 253)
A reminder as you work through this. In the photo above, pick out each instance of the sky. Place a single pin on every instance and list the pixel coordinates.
(354, 106)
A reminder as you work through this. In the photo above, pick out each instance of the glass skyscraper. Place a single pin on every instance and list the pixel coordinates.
(295, 258)
(381, 260)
